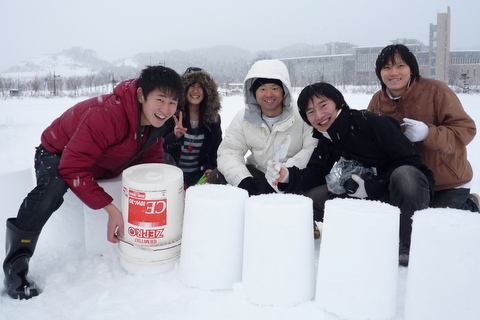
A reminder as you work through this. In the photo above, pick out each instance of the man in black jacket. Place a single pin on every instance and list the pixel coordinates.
(373, 140)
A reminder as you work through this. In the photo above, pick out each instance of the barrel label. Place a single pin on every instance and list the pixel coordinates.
(147, 209)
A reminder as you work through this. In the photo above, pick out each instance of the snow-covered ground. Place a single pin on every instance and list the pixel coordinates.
(78, 284)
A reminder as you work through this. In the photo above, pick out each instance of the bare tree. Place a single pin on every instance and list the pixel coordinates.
(90, 81)
(36, 84)
(73, 84)
(262, 56)
(464, 82)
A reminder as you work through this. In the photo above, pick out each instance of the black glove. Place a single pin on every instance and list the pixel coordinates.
(249, 185)
(355, 187)
(350, 186)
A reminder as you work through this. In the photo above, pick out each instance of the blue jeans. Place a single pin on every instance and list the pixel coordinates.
(455, 199)
(46, 197)
(408, 190)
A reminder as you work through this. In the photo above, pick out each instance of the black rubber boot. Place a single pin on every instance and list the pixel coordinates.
(19, 247)
(403, 254)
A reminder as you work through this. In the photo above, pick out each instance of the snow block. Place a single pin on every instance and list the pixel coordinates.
(66, 226)
(212, 240)
(14, 187)
(358, 260)
(279, 251)
(96, 220)
(74, 224)
(443, 281)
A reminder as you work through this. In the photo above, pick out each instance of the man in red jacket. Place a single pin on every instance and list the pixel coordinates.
(97, 138)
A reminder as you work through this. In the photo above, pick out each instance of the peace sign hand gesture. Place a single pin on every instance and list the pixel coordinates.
(179, 129)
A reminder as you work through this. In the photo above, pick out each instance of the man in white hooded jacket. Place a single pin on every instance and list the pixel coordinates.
(269, 127)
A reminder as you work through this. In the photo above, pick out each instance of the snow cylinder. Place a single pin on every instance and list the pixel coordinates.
(443, 280)
(152, 209)
(212, 241)
(358, 260)
(279, 250)
(95, 220)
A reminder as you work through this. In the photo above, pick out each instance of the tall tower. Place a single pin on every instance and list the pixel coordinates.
(443, 46)
(432, 51)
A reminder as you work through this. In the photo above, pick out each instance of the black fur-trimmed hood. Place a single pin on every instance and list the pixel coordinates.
(212, 106)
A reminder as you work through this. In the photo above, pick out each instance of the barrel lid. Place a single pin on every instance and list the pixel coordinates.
(152, 173)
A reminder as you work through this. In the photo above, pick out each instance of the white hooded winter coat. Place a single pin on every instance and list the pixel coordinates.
(248, 131)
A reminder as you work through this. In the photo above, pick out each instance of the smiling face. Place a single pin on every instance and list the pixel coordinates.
(195, 94)
(270, 98)
(395, 75)
(321, 112)
(157, 108)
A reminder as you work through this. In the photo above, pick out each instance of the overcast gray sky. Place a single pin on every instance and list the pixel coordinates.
(119, 28)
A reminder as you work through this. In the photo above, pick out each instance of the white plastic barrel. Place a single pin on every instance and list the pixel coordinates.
(152, 209)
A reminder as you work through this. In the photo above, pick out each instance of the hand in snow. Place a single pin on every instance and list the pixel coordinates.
(179, 129)
(115, 223)
(276, 172)
(415, 130)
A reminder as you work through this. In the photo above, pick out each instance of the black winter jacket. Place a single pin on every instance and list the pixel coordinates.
(208, 151)
(374, 140)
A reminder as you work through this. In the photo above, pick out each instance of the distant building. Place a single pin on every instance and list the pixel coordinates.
(365, 58)
(465, 68)
(234, 88)
(334, 68)
(346, 64)
(442, 63)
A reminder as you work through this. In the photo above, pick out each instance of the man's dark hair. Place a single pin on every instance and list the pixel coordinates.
(387, 55)
(319, 89)
(163, 78)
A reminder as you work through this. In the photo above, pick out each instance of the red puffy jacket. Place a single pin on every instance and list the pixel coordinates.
(99, 138)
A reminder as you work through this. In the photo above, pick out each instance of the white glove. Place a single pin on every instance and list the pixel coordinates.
(415, 130)
(361, 192)
(273, 172)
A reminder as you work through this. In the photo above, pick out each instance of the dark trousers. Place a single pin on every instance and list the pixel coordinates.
(408, 190)
(46, 197)
(454, 198)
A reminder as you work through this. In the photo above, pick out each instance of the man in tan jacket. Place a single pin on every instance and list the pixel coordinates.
(434, 120)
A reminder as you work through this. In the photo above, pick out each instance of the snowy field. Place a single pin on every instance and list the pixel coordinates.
(78, 284)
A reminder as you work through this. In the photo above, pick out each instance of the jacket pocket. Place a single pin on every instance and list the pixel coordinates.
(449, 162)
